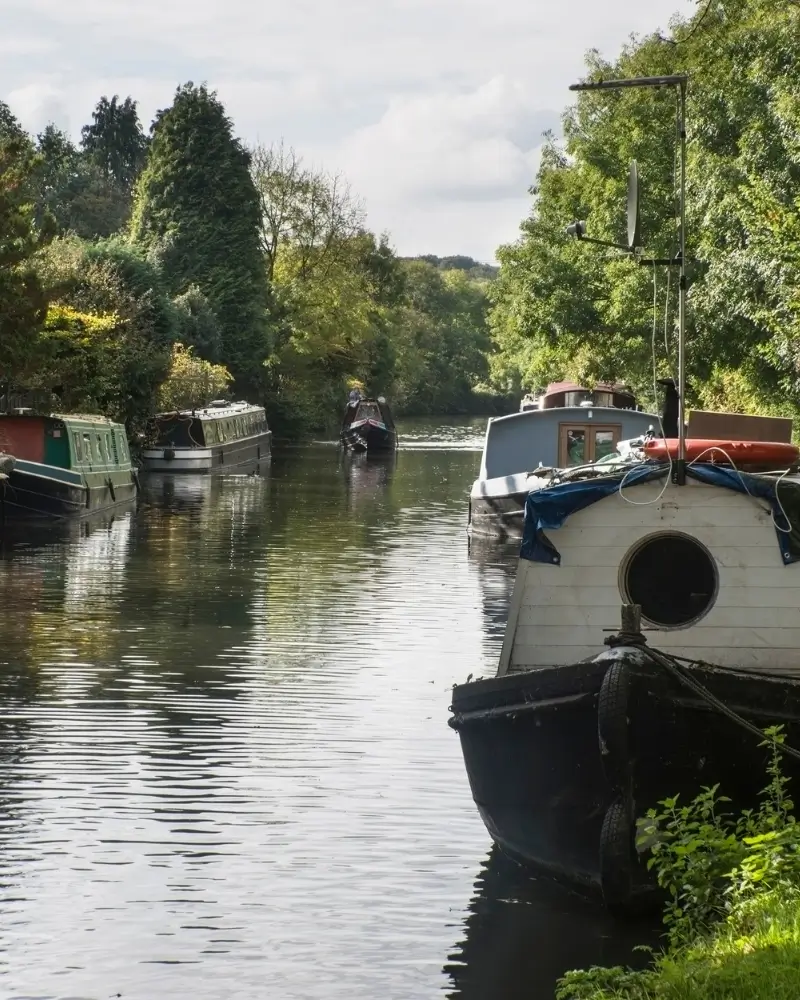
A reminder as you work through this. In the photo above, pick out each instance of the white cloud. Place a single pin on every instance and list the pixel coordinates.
(433, 107)
(447, 145)
(38, 104)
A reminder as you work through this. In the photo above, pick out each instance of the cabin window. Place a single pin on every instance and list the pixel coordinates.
(604, 444)
(582, 443)
(576, 398)
(672, 577)
(87, 448)
(76, 440)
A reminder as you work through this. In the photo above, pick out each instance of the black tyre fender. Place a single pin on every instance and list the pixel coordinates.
(618, 860)
(612, 726)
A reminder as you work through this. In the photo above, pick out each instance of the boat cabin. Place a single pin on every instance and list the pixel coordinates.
(569, 425)
(81, 443)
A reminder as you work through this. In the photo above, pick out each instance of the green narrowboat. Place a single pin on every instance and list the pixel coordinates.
(217, 438)
(64, 465)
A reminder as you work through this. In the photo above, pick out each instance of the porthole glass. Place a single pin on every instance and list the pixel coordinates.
(672, 577)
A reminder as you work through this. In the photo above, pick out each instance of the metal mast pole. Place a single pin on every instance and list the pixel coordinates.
(680, 81)
(682, 297)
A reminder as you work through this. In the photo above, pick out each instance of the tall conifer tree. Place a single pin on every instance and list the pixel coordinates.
(196, 207)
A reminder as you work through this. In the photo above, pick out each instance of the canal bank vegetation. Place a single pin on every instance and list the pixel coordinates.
(568, 309)
(120, 250)
(732, 913)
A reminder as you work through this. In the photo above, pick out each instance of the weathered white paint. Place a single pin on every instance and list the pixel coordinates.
(561, 614)
(185, 460)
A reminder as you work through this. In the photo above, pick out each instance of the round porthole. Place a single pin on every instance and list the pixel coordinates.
(672, 577)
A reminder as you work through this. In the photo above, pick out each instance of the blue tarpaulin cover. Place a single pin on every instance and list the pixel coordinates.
(549, 508)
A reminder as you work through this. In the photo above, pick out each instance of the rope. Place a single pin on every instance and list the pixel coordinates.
(670, 663)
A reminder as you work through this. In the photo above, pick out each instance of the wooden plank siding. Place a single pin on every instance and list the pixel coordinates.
(561, 614)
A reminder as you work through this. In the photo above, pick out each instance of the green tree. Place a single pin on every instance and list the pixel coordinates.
(566, 309)
(115, 142)
(441, 339)
(196, 207)
(75, 192)
(23, 302)
(76, 358)
(112, 278)
(198, 326)
(191, 382)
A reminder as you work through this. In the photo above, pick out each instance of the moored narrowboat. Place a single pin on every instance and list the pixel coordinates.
(567, 426)
(582, 731)
(368, 426)
(64, 464)
(217, 438)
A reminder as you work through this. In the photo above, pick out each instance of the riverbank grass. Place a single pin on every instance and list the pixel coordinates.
(732, 916)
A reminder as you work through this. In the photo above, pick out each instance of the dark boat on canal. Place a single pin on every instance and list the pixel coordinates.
(220, 437)
(582, 730)
(63, 465)
(368, 426)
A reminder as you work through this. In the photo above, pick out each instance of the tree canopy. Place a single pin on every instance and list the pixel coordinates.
(197, 209)
(567, 309)
(187, 260)
(23, 303)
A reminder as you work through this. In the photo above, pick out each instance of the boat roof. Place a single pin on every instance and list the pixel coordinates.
(535, 414)
(618, 387)
(83, 418)
(212, 411)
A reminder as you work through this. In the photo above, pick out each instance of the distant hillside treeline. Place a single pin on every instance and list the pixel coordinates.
(139, 270)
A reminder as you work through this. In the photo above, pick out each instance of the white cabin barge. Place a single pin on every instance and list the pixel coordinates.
(582, 731)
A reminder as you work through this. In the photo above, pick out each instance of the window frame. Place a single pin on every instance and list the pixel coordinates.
(590, 429)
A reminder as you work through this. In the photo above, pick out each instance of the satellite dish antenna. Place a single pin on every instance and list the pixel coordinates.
(634, 236)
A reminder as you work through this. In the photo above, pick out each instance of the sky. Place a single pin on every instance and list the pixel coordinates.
(433, 109)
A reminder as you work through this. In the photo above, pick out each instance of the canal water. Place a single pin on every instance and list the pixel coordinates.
(225, 765)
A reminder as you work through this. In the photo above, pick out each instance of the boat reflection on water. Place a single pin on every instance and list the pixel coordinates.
(182, 492)
(367, 476)
(496, 566)
(523, 933)
(34, 533)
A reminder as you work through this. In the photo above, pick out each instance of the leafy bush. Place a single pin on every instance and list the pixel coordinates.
(191, 382)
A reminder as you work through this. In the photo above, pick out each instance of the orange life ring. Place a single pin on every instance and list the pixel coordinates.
(777, 454)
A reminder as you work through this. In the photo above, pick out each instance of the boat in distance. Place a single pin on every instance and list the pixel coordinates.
(368, 426)
(216, 438)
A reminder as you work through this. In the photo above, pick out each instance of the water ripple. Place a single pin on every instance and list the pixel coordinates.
(225, 769)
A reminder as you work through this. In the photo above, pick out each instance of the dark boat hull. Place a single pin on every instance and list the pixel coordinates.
(552, 800)
(500, 518)
(28, 493)
(369, 437)
(214, 458)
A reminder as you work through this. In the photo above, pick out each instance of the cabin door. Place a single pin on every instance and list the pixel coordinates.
(56, 447)
(582, 443)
